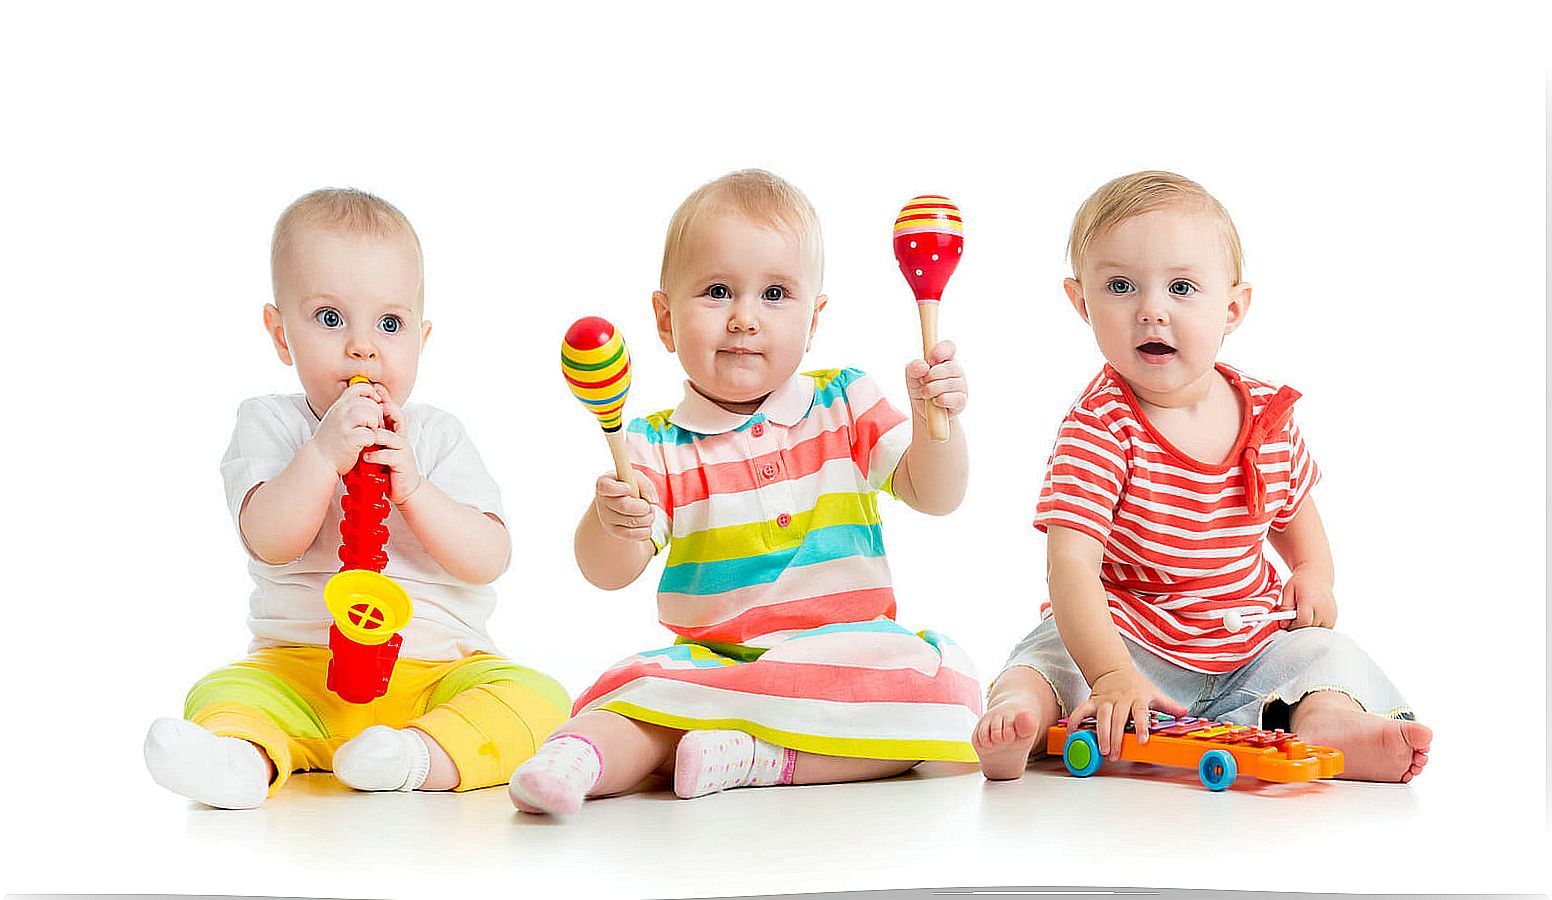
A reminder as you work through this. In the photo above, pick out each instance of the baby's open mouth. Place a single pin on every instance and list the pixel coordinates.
(1156, 351)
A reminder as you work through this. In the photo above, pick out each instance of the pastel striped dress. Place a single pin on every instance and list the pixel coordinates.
(1184, 539)
(776, 584)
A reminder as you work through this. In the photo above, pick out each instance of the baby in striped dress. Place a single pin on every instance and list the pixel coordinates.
(1169, 475)
(761, 485)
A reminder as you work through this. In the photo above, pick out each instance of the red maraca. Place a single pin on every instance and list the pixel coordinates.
(597, 369)
(929, 239)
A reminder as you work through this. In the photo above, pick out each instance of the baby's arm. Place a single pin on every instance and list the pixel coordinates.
(472, 545)
(932, 475)
(1303, 546)
(280, 518)
(613, 543)
(1117, 690)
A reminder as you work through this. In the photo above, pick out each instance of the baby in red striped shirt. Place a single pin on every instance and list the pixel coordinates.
(1170, 474)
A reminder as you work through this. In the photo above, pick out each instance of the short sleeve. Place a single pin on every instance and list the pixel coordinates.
(263, 443)
(1303, 474)
(880, 432)
(1084, 477)
(455, 466)
(645, 446)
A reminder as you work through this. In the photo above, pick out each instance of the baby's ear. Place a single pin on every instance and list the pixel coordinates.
(277, 332)
(1239, 306)
(664, 317)
(813, 325)
(1075, 296)
(425, 332)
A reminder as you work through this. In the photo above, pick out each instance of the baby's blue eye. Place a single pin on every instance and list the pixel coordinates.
(390, 324)
(1118, 286)
(329, 317)
(1182, 288)
(719, 292)
(775, 294)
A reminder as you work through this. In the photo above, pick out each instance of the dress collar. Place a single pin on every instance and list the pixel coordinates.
(786, 406)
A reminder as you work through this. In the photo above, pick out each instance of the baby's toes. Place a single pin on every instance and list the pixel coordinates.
(1024, 725)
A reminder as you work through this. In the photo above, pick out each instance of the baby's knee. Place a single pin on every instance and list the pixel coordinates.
(1315, 642)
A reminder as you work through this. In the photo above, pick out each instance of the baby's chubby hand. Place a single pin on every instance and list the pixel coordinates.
(1311, 599)
(939, 379)
(395, 453)
(349, 426)
(624, 515)
(1116, 697)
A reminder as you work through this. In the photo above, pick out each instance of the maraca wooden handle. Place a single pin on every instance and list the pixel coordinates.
(622, 463)
(937, 416)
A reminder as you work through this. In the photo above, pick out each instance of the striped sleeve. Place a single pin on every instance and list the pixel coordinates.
(1084, 478)
(646, 455)
(1303, 474)
(880, 433)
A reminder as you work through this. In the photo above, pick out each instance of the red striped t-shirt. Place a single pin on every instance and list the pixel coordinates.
(1183, 544)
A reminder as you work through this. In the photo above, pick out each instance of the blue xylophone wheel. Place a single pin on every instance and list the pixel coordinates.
(1081, 753)
(1217, 769)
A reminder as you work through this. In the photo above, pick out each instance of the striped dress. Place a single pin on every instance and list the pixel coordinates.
(776, 584)
(1183, 539)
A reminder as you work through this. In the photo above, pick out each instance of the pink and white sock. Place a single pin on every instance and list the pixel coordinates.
(558, 776)
(711, 761)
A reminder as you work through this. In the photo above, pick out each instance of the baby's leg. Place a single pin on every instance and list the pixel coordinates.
(713, 760)
(1329, 681)
(483, 720)
(1019, 710)
(1373, 747)
(595, 754)
(245, 729)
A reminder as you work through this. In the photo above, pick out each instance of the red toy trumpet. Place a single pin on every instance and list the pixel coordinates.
(368, 607)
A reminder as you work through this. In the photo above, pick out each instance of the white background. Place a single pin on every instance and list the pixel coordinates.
(1385, 165)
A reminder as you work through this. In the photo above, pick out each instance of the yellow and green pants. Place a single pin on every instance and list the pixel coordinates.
(487, 713)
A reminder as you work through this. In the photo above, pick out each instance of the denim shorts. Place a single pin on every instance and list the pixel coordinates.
(1258, 693)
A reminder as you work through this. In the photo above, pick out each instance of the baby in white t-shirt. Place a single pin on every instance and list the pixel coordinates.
(349, 295)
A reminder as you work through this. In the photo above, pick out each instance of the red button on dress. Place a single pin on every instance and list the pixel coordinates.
(768, 470)
(784, 520)
(758, 430)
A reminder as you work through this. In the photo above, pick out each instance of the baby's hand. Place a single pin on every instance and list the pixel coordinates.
(1115, 697)
(1310, 597)
(624, 515)
(403, 476)
(349, 426)
(942, 383)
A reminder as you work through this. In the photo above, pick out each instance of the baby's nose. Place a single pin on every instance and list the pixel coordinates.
(742, 318)
(1151, 313)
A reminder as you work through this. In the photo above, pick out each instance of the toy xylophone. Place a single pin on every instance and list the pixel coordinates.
(1218, 751)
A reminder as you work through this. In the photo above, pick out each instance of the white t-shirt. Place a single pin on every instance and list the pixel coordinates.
(286, 607)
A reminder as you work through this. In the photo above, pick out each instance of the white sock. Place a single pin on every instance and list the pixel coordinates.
(224, 772)
(715, 760)
(383, 759)
(556, 779)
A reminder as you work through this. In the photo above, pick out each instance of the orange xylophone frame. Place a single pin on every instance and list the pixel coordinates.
(1217, 750)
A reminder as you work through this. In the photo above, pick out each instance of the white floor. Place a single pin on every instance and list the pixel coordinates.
(1129, 826)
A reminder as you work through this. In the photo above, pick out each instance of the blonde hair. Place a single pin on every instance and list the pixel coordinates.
(1132, 195)
(756, 193)
(340, 209)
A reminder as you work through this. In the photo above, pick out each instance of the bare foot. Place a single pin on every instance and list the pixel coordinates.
(1373, 747)
(1004, 738)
